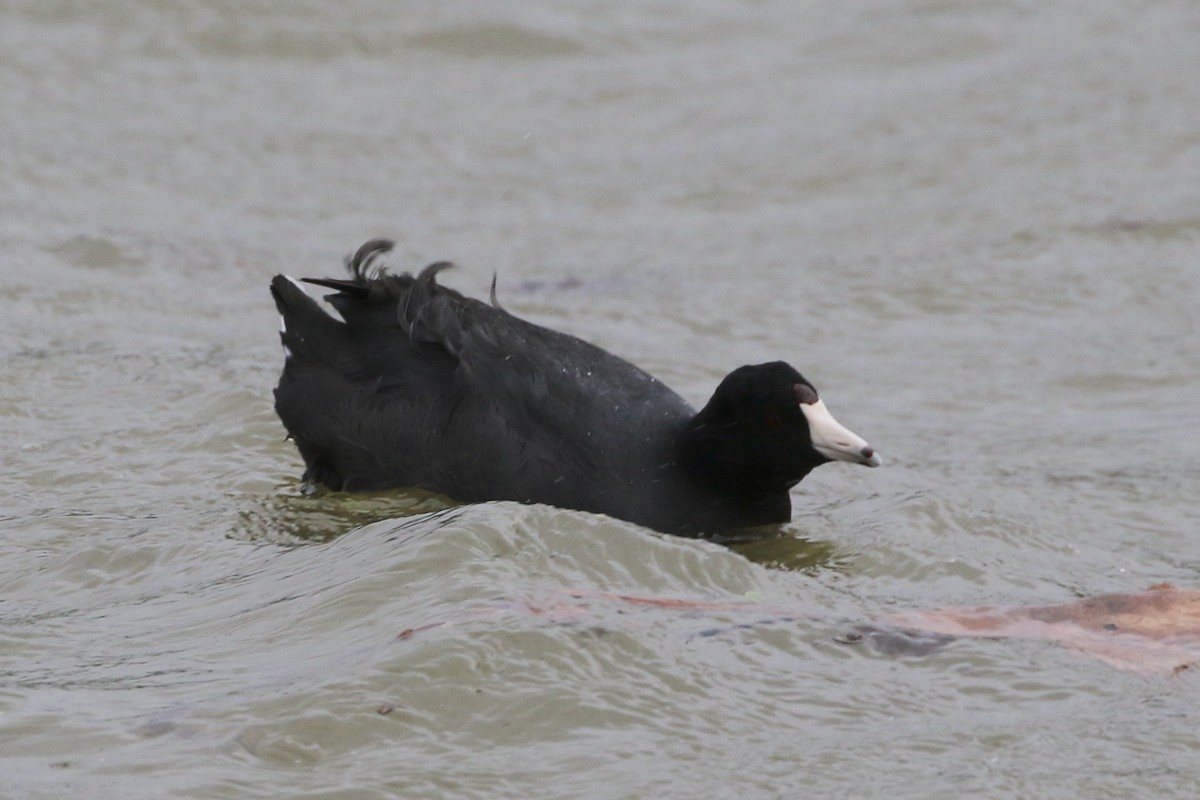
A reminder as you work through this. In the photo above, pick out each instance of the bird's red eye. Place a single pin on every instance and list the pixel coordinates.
(773, 421)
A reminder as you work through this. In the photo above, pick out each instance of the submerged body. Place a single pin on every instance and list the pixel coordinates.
(418, 386)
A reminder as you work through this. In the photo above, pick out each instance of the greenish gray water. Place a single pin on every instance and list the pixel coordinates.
(975, 226)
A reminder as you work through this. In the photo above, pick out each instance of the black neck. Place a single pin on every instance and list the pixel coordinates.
(737, 495)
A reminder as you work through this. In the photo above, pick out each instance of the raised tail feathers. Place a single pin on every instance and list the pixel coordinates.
(305, 328)
(360, 267)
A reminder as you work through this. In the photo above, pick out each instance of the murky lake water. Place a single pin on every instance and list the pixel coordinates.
(975, 226)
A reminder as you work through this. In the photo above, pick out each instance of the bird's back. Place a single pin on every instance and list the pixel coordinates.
(419, 386)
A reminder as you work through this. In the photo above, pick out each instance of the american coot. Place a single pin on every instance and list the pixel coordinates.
(418, 386)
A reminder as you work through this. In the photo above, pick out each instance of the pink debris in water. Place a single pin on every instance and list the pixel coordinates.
(1156, 631)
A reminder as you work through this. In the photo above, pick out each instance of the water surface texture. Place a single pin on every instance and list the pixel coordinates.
(974, 226)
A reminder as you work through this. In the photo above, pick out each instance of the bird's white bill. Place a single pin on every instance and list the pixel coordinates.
(835, 441)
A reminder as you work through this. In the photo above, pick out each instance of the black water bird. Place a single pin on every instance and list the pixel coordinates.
(416, 385)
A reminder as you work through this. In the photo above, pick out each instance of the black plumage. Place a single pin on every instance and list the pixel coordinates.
(419, 386)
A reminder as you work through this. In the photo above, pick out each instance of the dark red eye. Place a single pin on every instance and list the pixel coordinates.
(773, 421)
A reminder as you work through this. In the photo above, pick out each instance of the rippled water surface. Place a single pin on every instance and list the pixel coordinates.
(975, 226)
